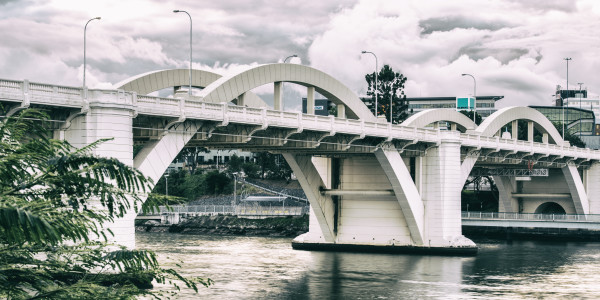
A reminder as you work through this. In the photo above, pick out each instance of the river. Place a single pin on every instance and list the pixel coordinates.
(268, 268)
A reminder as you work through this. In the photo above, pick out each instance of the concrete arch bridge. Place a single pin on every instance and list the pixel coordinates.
(370, 184)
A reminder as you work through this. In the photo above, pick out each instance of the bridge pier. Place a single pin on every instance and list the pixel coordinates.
(109, 120)
(386, 212)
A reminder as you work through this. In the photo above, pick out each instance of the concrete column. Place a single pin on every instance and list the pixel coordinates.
(441, 194)
(578, 193)
(545, 138)
(277, 98)
(341, 111)
(530, 131)
(436, 125)
(592, 177)
(453, 126)
(313, 174)
(110, 120)
(507, 203)
(240, 99)
(515, 130)
(310, 100)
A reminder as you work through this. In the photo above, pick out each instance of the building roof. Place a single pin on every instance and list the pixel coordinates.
(412, 99)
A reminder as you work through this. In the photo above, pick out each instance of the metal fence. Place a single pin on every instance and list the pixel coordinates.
(239, 210)
(529, 217)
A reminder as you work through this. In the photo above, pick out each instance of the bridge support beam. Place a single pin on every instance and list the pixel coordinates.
(311, 178)
(578, 193)
(93, 127)
(277, 96)
(405, 190)
(507, 203)
(441, 195)
(592, 178)
(310, 100)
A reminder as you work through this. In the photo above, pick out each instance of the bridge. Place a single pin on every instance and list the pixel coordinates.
(368, 182)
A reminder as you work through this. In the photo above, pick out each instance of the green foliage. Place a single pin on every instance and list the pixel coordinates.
(469, 114)
(235, 163)
(571, 138)
(217, 183)
(52, 198)
(390, 87)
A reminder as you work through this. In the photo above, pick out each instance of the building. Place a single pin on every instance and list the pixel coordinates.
(581, 122)
(486, 105)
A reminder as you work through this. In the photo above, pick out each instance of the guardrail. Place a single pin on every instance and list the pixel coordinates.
(22, 91)
(473, 215)
(238, 210)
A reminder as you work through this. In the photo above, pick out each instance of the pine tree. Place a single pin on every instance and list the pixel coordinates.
(390, 86)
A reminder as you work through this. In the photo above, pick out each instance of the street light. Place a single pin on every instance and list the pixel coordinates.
(474, 96)
(84, 54)
(183, 11)
(295, 55)
(376, 92)
(562, 102)
(580, 96)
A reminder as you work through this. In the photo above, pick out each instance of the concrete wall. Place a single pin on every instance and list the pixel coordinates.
(369, 219)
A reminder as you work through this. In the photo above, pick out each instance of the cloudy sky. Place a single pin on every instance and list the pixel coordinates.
(514, 48)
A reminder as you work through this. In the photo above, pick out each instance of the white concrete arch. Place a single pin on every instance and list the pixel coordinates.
(426, 117)
(503, 116)
(149, 82)
(227, 88)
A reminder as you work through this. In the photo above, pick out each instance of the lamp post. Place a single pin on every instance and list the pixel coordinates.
(562, 102)
(580, 96)
(84, 50)
(295, 55)
(183, 11)
(376, 70)
(474, 96)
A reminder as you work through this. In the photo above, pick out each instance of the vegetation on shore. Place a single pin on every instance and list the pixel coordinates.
(52, 199)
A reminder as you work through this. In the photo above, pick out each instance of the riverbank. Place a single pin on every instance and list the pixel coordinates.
(232, 225)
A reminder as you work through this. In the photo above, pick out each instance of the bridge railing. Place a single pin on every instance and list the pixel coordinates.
(475, 215)
(11, 90)
(239, 210)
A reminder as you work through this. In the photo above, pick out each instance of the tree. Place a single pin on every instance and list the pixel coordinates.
(48, 222)
(469, 114)
(390, 85)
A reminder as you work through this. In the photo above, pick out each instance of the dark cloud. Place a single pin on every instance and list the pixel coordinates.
(502, 55)
(547, 5)
(449, 23)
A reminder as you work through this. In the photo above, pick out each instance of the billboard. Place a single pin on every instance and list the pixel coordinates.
(465, 103)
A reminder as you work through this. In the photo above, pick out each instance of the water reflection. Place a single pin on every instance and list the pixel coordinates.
(259, 268)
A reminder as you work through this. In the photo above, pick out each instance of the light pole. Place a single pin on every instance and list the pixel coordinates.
(167, 184)
(474, 96)
(84, 54)
(580, 96)
(376, 70)
(183, 11)
(563, 102)
(295, 55)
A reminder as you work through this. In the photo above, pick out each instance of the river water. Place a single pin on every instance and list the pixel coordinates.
(268, 268)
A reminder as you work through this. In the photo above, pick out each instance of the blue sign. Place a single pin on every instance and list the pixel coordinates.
(465, 103)
(318, 107)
